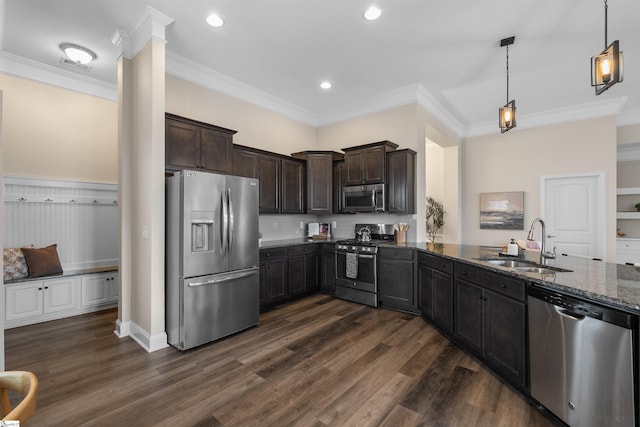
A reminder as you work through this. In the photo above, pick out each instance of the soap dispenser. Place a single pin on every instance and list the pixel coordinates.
(512, 248)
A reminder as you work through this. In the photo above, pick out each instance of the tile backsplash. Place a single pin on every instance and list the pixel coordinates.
(277, 227)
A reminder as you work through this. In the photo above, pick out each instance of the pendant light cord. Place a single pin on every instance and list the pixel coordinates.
(507, 74)
(606, 7)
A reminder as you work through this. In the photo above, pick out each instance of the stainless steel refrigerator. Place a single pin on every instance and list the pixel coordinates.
(212, 273)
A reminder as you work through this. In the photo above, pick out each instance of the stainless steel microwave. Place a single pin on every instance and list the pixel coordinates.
(363, 198)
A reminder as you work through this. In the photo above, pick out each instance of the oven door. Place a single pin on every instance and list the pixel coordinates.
(367, 279)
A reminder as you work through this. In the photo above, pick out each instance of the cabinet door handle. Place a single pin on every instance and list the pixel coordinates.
(46, 287)
(503, 285)
(39, 289)
(268, 255)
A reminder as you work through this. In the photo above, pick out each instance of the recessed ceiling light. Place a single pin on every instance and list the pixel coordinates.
(372, 13)
(214, 20)
(77, 53)
(325, 85)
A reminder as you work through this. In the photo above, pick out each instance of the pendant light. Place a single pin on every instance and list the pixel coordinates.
(507, 113)
(607, 67)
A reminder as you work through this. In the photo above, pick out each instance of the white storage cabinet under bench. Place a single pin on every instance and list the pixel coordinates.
(39, 299)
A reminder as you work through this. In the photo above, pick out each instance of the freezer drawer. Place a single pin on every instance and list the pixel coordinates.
(215, 306)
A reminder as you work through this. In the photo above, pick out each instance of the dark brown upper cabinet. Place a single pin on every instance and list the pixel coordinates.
(190, 144)
(281, 179)
(401, 182)
(292, 186)
(366, 164)
(338, 183)
(319, 177)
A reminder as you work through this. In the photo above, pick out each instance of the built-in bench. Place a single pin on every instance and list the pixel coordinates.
(38, 299)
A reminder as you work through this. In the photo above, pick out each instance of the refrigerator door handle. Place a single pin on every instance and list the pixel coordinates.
(225, 222)
(230, 230)
(226, 277)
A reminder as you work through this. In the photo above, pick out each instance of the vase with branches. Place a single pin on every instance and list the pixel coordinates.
(435, 218)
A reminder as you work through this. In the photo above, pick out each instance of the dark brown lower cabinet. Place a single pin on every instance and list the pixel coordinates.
(492, 325)
(435, 297)
(396, 284)
(273, 276)
(303, 269)
(328, 269)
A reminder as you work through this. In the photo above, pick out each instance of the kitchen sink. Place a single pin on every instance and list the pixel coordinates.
(524, 266)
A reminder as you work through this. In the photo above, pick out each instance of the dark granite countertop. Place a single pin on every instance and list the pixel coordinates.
(614, 285)
(294, 242)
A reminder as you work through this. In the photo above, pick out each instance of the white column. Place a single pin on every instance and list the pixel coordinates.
(141, 105)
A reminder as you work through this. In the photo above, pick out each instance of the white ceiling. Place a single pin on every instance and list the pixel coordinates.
(285, 48)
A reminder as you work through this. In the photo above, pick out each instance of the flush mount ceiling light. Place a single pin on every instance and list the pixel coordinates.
(507, 113)
(606, 68)
(214, 20)
(78, 54)
(325, 85)
(372, 13)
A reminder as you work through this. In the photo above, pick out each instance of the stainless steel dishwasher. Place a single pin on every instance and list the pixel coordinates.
(582, 359)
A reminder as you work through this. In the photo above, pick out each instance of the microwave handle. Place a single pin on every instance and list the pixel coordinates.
(373, 198)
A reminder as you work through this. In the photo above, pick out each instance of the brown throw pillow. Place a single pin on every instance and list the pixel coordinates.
(42, 261)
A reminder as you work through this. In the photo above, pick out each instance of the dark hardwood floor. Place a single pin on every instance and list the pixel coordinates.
(315, 362)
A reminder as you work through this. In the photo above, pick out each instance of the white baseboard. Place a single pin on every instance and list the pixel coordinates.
(150, 343)
(123, 329)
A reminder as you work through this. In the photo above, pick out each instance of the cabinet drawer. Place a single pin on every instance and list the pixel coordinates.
(397, 254)
(266, 254)
(470, 273)
(505, 285)
(436, 262)
(303, 250)
(628, 244)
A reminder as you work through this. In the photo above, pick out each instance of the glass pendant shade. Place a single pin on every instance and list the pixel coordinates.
(507, 116)
(607, 68)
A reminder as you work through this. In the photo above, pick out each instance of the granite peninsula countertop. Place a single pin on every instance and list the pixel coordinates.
(615, 285)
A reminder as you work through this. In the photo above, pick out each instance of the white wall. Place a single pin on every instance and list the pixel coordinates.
(516, 160)
(256, 127)
(56, 133)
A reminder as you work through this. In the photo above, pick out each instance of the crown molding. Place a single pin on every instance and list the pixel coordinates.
(19, 66)
(575, 113)
(439, 111)
(183, 68)
(384, 101)
(186, 69)
(151, 26)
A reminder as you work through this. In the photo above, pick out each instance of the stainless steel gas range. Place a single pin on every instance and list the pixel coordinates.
(356, 263)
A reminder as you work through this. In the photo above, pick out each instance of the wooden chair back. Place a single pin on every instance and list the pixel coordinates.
(24, 383)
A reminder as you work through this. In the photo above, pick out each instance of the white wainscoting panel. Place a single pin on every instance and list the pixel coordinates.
(80, 217)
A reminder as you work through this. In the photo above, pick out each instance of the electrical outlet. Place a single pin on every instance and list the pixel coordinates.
(334, 224)
(301, 225)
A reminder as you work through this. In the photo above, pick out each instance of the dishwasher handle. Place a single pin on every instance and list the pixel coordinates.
(566, 313)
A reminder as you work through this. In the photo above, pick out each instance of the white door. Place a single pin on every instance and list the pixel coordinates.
(573, 210)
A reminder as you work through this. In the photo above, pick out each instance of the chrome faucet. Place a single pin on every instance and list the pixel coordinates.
(544, 255)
